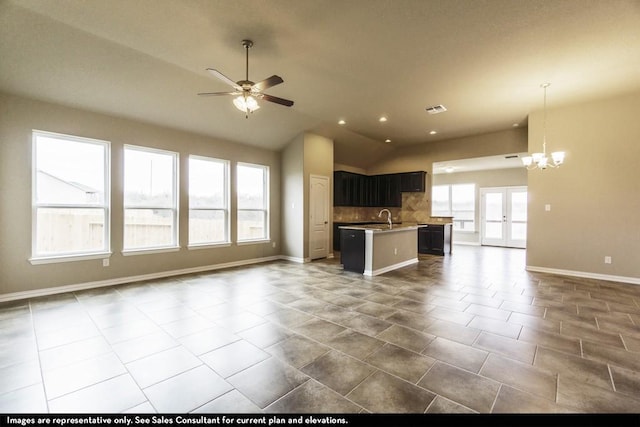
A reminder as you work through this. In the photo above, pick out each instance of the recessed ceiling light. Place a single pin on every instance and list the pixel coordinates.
(382, 119)
(387, 140)
(433, 132)
(341, 122)
(515, 125)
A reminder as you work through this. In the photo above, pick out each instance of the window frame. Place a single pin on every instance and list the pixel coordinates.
(105, 206)
(450, 211)
(175, 244)
(265, 209)
(225, 209)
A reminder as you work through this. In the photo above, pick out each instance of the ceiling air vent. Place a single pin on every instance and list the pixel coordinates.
(436, 109)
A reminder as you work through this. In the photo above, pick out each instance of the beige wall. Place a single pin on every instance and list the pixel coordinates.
(293, 199)
(18, 116)
(595, 196)
(483, 179)
(308, 154)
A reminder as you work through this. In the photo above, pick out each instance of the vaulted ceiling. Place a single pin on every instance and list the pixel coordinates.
(356, 60)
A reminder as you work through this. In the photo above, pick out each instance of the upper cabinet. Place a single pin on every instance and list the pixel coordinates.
(413, 182)
(353, 189)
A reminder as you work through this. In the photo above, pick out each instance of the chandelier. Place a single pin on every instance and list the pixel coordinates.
(540, 160)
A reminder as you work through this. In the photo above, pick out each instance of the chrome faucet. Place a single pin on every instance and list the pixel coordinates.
(388, 216)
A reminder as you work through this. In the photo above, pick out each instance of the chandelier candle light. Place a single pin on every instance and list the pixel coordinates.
(540, 160)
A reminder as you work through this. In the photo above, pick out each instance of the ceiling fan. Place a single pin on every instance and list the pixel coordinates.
(247, 92)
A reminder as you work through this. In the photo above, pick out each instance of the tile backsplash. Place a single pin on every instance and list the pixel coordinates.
(355, 214)
(416, 208)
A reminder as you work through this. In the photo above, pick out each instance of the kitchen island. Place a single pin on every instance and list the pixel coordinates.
(376, 249)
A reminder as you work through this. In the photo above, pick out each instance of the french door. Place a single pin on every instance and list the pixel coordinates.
(503, 216)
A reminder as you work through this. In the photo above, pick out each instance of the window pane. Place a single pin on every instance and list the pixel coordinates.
(207, 183)
(251, 225)
(149, 178)
(69, 171)
(519, 206)
(252, 202)
(148, 228)
(251, 187)
(493, 207)
(69, 230)
(493, 229)
(463, 207)
(440, 200)
(518, 231)
(207, 226)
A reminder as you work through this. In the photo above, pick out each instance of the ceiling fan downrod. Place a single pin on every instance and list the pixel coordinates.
(247, 45)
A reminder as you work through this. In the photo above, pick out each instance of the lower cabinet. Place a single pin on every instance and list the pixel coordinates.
(352, 250)
(434, 239)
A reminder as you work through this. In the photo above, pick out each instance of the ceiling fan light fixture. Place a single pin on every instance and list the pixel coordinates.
(246, 104)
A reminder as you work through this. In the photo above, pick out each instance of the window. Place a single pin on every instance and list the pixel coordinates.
(150, 198)
(70, 196)
(457, 200)
(440, 200)
(208, 201)
(253, 202)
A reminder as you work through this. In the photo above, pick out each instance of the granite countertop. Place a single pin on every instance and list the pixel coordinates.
(381, 227)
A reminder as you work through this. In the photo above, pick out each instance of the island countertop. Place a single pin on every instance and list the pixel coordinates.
(381, 228)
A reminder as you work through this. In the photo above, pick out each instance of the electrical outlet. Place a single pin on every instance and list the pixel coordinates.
(395, 251)
(273, 244)
(547, 207)
(105, 262)
(607, 260)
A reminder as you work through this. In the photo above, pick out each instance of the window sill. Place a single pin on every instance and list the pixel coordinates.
(149, 251)
(252, 242)
(68, 258)
(209, 246)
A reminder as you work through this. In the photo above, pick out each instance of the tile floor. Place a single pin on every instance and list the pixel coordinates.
(471, 332)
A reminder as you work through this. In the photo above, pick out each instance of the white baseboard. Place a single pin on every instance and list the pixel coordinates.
(391, 267)
(584, 274)
(130, 279)
(293, 259)
(466, 243)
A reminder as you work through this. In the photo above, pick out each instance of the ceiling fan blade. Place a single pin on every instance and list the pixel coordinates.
(218, 93)
(224, 78)
(281, 101)
(267, 83)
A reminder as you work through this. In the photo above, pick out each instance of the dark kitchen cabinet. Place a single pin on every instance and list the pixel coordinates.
(413, 182)
(388, 190)
(434, 239)
(352, 250)
(352, 189)
(347, 188)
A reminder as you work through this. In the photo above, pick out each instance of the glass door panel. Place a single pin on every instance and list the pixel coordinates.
(504, 216)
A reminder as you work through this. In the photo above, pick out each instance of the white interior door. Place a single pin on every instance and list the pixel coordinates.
(504, 216)
(319, 217)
